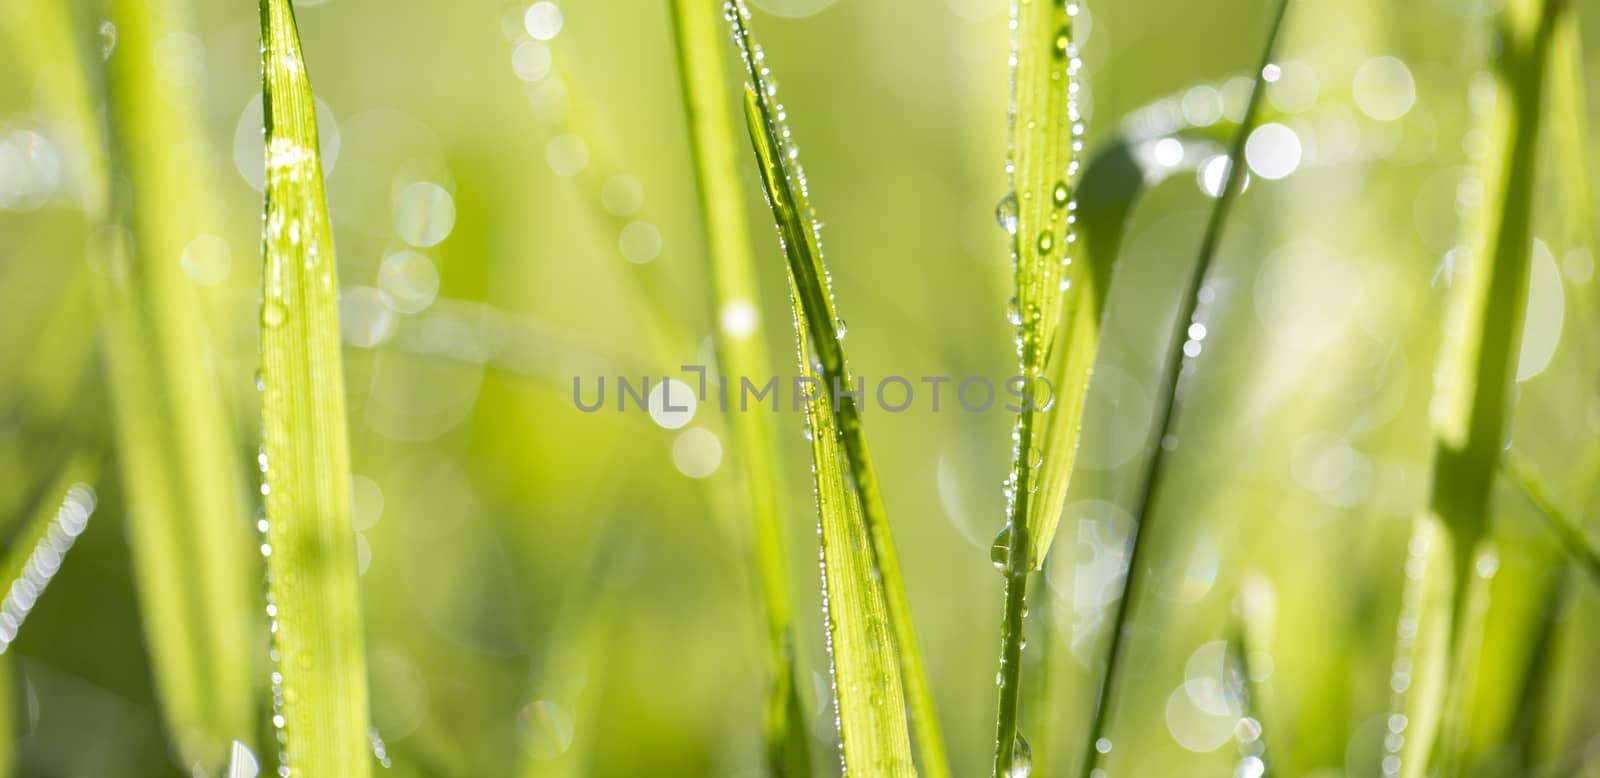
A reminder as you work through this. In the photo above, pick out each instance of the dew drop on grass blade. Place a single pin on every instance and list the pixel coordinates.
(311, 558)
(741, 352)
(845, 480)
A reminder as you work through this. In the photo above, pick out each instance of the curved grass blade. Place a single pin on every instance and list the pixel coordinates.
(840, 419)
(1477, 369)
(1172, 374)
(312, 558)
(741, 353)
(1046, 131)
(188, 525)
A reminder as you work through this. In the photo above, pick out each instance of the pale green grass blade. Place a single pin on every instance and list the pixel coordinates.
(1045, 132)
(741, 353)
(1477, 370)
(317, 630)
(186, 515)
(824, 357)
(868, 694)
(1171, 376)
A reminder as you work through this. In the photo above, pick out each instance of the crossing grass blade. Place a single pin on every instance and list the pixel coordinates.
(1477, 372)
(741, 354)
(1171, 376)
(862, 579)
(312, 564)
(185, 502)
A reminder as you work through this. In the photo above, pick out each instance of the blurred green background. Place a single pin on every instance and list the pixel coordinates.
(550, 592)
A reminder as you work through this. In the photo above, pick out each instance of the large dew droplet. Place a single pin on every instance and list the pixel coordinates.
(1000, 551)
(1005, 212)
(1021, 758)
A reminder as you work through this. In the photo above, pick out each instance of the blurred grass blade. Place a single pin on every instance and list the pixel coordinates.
(836, 421)
(1171, 375)
(318, 629)
(36, 552)
(741, 353)
(1477, 370)
(1571, 536)
(187, 523)
(1038, 213)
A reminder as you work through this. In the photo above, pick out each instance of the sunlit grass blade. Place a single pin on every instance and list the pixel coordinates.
(868, 693)
(1170, 377)
(741, 353)
(315, 601)
(1477, 371)
(183, 479)
(1038, 212)
(848, 479)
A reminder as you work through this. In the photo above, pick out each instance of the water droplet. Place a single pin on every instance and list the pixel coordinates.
(1063, 40)
(840, 328)
(273, 313)
(1005, 212)
(1013, 313)
(1000, 551)
(1103, 745)
(1047, 240)
(108, 39)
(1060, 194)
(1021, 758)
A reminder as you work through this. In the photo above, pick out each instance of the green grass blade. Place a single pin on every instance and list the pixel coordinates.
(34, 554)
(318, 629)
(1171, 375)
(1046, 131)
(824, 357)
(1477, 367)
(187, 520)
(741, 353)
(868, 693)
(1570, 534)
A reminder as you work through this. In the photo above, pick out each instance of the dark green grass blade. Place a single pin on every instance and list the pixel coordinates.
(1171, 375)
(317, 632)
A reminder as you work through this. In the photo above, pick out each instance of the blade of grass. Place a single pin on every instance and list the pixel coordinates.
(838, 422)
(35, 553)
(1572, 538)
(1171, 375)
(312, 559)
(1477, 370)
(741, 353)
(185, 503)
(1046, 131)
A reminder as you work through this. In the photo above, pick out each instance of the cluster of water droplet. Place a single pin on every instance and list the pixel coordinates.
(1405, 646)
(63, 530)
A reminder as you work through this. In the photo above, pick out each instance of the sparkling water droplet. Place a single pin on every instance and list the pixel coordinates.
(1013, 313)
(1000, 551)
(273, 313)
(1021, 758)
(1060, 194)
(840, 328)
(1006, 213)
(108, 39)
(1047, 240)
(1063, 40)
